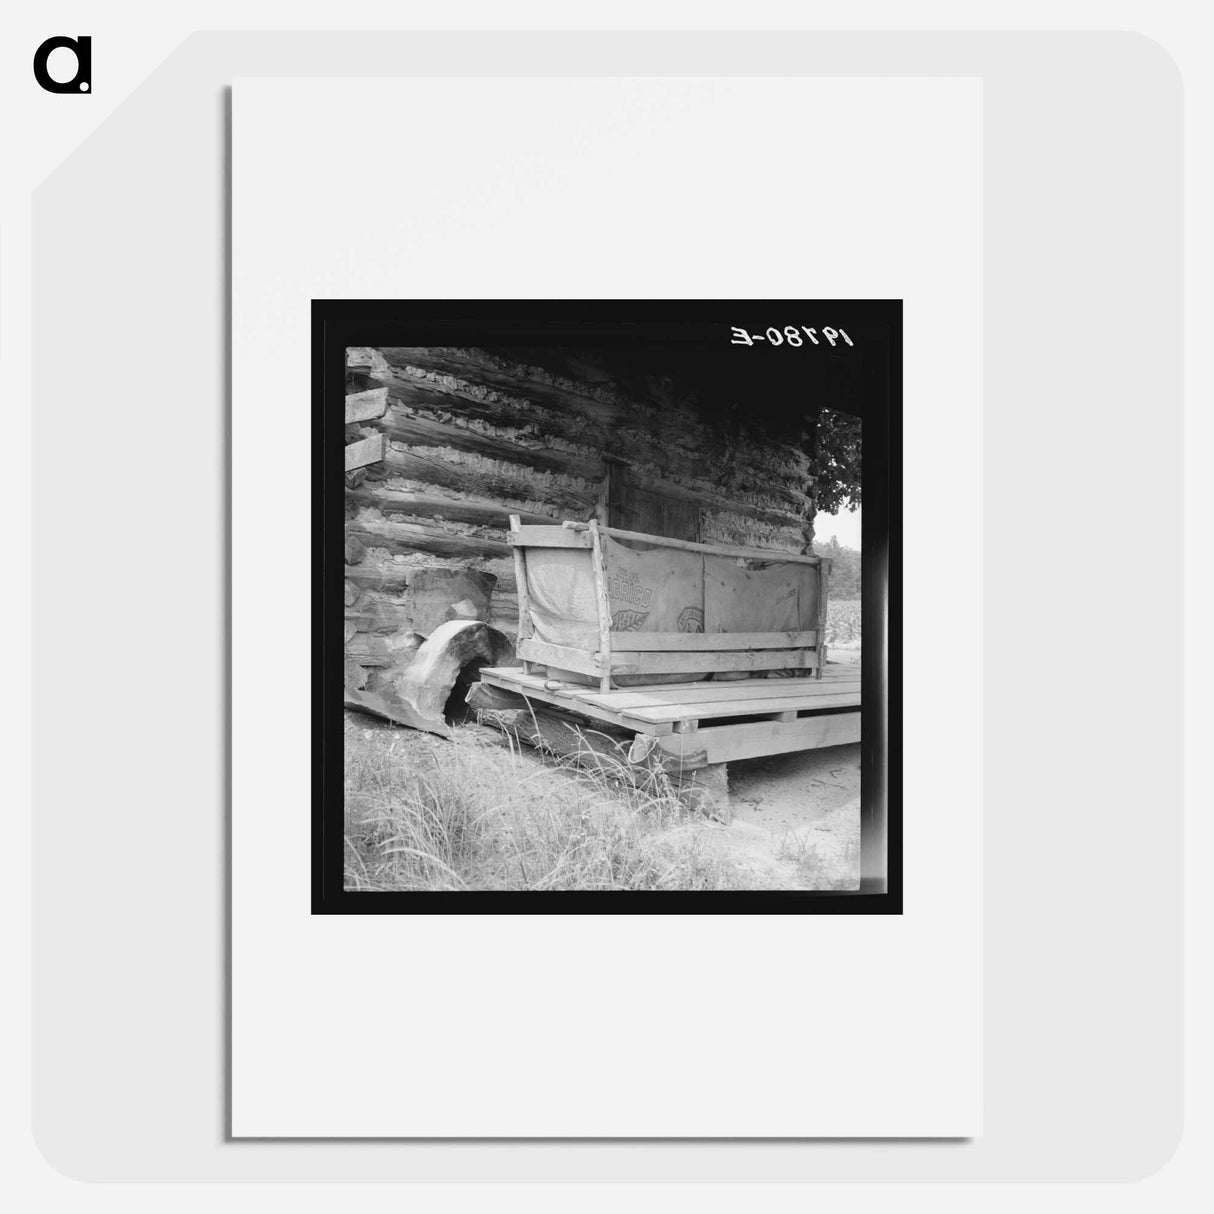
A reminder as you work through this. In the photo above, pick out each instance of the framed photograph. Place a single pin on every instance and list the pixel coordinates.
(570, 614)
(606, 606)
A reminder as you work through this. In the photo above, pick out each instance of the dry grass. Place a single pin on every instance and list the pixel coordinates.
(426, 814)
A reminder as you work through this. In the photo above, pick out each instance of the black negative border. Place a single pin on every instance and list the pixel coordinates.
(337, 324)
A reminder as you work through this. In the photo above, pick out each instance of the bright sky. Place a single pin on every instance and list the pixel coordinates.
(846, 525)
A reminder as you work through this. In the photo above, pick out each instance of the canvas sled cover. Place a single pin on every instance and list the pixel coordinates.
(657, 589)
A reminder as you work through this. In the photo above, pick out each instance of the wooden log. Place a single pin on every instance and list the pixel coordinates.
(366, 406)
(678, 442)
(371, 616)
(791, 514)
(433, 590)
(563, 697)
(415, 537)
(388, 578)
(483, 512)
(402, 650)
(422, 432)
(465, 609)
(555, 733)
(390, 708)
(476, 369)
(368, 649)
(365, 451)
(622, 421)
(789, 505)
(449, 649)
(487, 479)
(485, 697)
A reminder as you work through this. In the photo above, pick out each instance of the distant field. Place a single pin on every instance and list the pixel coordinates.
(843, 623)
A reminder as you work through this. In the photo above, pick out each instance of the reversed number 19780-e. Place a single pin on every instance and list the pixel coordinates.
(790, 335)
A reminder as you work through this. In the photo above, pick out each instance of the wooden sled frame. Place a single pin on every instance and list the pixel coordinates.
(641, 653)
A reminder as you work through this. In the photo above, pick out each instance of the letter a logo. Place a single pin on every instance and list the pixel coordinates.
(82, 81)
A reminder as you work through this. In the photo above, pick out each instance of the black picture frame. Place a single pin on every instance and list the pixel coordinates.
(337, 324)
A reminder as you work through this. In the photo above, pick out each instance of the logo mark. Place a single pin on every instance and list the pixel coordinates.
(691, 619)
(628, 621)
(82, 81)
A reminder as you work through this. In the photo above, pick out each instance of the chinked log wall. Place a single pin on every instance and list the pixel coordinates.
(467, 437)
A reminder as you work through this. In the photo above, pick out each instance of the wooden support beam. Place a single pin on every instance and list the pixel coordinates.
(525, 626)
(602, 603)
(753, 739)
(715, 642)
(712, 661)
(690, 662)
(364, 360)
(550, 536)
(754, 554)
(564, 657)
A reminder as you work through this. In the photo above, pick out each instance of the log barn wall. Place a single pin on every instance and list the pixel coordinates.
(467, 437)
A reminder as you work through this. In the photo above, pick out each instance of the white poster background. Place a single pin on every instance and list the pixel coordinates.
(601, 1026)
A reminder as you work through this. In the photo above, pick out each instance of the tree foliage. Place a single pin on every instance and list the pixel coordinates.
(836, 461)
(845, 579)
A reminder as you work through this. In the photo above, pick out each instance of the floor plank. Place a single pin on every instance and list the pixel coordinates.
(738, 708)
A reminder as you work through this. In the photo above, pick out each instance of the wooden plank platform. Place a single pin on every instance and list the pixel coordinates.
(679, 708)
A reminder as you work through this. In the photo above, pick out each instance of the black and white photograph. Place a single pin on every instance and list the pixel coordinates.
(604, 600)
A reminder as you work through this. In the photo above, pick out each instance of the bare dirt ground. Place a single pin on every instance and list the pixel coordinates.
(796, 817)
